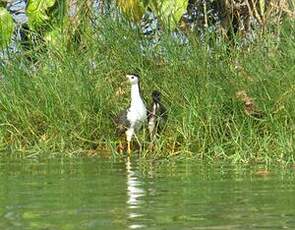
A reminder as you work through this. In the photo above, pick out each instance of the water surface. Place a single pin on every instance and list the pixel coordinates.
(101, 194)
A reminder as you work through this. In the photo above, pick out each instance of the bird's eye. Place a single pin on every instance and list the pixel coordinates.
(132, 77)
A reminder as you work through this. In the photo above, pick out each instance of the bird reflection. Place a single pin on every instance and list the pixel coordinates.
(135, 194)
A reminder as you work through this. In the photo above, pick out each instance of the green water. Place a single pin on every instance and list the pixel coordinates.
(100, 194)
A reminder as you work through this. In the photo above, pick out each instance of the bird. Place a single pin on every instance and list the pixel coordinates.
(157, 115)
(130, 120)
(250, 107)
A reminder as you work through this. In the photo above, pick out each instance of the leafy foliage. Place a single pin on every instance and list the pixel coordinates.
(133, 9)
(6, 27)
(37, 12)
(169, 11)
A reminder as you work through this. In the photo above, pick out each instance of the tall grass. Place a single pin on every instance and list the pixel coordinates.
(62, 103)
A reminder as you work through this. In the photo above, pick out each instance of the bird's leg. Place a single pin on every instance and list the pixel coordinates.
(129, 134)
(129, 148)
(153, 138)
(152, 135)
(151, 127)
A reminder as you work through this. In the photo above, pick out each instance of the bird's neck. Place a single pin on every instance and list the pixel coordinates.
(135, 95)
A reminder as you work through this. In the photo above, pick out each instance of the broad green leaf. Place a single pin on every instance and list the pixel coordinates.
(36, 12)
(169, 11)
(6, 27)
(133, 9)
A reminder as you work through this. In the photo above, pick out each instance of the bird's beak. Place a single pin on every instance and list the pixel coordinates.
(125, 80)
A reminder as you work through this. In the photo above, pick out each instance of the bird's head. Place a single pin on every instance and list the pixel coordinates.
(156, 95)
(133, 78)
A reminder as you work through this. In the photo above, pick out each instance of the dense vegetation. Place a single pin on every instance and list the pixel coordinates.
(228, 97)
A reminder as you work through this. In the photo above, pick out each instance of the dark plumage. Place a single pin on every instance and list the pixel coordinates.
(157, 115)
(122, 123)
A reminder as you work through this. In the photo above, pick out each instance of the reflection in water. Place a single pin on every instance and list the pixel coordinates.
(135, 194)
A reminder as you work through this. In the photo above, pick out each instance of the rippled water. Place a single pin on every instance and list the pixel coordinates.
(100, 194)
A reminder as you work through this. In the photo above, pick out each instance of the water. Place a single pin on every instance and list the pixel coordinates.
(100, 194)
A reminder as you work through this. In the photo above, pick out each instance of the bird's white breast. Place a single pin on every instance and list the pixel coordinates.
(137, 111)
(137, 114)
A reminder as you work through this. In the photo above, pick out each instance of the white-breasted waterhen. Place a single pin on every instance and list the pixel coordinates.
(130, 120)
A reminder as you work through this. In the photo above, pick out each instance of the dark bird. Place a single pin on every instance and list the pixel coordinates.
(130, 120)
(157, 115)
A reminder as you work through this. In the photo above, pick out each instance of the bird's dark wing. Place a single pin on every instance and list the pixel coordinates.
(162, 117)
(121, 122)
